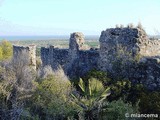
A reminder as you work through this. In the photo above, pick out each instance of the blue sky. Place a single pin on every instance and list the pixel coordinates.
(62, 17)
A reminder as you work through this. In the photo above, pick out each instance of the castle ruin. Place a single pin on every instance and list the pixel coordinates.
(117, 55)
(75, 61)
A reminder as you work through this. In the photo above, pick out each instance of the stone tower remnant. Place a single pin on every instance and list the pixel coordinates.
(76, 41)
(25, 54)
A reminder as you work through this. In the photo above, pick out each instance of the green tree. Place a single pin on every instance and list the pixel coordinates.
(7, 50)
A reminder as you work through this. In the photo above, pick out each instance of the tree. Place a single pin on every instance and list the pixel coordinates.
(6, 50)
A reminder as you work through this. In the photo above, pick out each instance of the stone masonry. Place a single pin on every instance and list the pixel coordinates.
(75, 61)
(27, 54)
(129, 54)
(126, 53)
(131, 40)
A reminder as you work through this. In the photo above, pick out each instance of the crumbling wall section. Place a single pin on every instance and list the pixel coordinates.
(129, 54)
(147, 72)
(75, 61)
(27, 54)
(133, 41)
(54, 57)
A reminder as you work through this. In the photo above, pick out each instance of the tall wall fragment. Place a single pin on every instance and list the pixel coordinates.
(26, 55)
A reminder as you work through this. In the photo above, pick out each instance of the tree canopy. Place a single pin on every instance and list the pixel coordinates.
(6, 50)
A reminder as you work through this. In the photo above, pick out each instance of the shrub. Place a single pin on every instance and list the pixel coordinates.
(38, 62)
(99, 75)
(91, 98)
(119, 89)
(52, 97)
(15, 88)
(116, 110)
(6, 50)
(150, 103)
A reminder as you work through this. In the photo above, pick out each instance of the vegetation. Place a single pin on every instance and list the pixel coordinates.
(49, 95)
(52, 98)
(136, 94)
(6, 50)
(91, 99)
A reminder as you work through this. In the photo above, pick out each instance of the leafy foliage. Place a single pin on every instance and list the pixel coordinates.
(93, 95)
(99, 75)
(150, 102)
(52, 98)
(6, 50)
(50, 95)
(116, 110)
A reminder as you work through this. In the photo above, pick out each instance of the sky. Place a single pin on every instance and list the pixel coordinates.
(62, 17)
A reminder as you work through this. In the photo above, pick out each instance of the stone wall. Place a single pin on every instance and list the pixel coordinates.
(75, 61)
(55, 57)
(147, 72)
(76, 41)
(25, 54)
(127, 53)
(133, 41)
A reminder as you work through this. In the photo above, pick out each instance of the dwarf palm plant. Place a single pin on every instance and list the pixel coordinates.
(92, 98)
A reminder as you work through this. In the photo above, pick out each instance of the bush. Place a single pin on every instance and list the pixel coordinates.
(38, 63)
(15, 88)
(91, 98)
(120, 89)
(6, 50)
(150, 103)
(116, 110)
(99, 75)
(52, 97)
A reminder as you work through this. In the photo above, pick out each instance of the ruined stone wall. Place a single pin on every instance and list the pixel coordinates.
(75, 61)
(126, 53)
(147, 72)
(55, 57)
(129, 54)
(76, 41)
(25, 54)
(133, 41)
